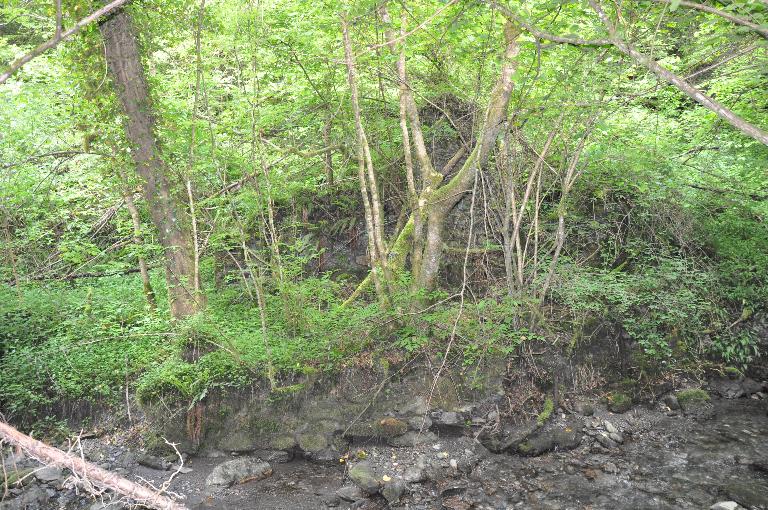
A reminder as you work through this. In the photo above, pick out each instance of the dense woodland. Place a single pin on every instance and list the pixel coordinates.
(196, 195)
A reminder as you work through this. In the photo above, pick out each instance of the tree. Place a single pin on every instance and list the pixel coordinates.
(123, 58)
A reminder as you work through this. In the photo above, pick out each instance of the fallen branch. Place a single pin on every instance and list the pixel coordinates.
(85, 470)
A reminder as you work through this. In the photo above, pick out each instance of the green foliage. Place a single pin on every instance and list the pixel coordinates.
(666, 234)
(692, 397)
(546, 412)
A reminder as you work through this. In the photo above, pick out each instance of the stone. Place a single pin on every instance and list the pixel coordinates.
(610, 427)
(153, 462)
(554, 436)
(282, 442)
(350, 493)
(750, 495)
(49, 474)
(391, 427)
(312, 442)
(605, 440)
(420, 422)
(33, 497)
(414, 475)
(236, 471)
(584, 408)
(412, 438)
(363, 475)
(392, 491)
(725, 387)
(725, 505)
(615, 436)
(750, 386)
(671, 402)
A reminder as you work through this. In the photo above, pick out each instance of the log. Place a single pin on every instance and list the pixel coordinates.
(94, 474)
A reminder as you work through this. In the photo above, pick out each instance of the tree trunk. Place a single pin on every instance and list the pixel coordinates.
(146, 283)
(122, 54)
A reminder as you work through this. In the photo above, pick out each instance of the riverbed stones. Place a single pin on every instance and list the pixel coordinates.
(49, 474)
(560, 435)
(671, 402)
(750, 495)
(362, 474)
(153, 462)
(393, 491)
(584, 408)
(350, 493)
(726, 505)
(236, 471)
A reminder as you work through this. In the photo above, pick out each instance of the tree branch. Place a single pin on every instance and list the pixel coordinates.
(730, 17)
(670, 77)
(60, 36)
(540, 34)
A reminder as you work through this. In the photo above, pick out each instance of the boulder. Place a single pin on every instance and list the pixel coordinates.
(393, 490)
(725, 505)
(49, 474)
(750, 495)
(671, 402)
(350, 493)
(561, 435)
(363, 476)
(241, 470)
(153, 462)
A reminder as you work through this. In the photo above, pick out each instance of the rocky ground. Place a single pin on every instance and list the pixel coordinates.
(684, 451)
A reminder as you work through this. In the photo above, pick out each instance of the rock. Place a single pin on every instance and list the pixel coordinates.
(748, 494)
(412, 438)
(456, 503)
(725, 505)
(696, 403)
(393, 490)
(363, 476)
(391, 427)
(750, 386)
(615, 436)
(282, 442)
(34, 497)
(350, 493)
(153, 462)
(584, 408)
(553, 436)
(509, 438)
(421, 422)
(49, 474)
(447, 420)
(671, 402)
(108, 505)
(414, 475)
(605, 440)
(610, 427)
(241, 470)
(725, 387)
(312, 442)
